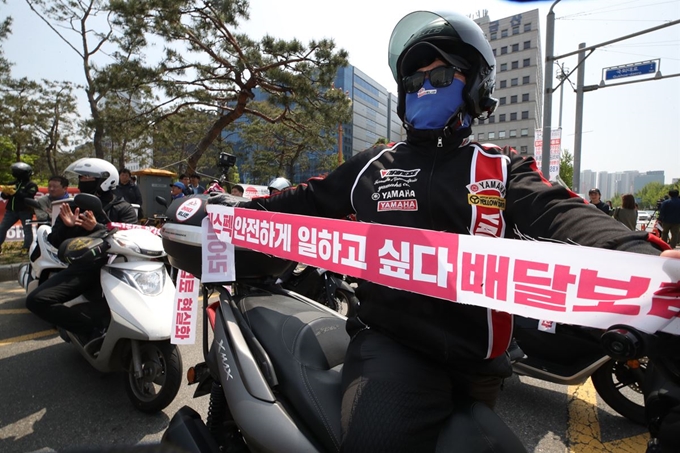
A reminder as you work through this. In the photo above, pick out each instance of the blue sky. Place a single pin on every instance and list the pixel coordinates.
(633, 127)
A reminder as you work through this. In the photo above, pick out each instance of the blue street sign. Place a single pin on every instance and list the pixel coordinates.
(635, 69)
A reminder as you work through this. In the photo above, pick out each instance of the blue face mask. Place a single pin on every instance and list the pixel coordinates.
(430, 108)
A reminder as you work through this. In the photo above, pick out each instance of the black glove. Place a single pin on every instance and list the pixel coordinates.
(225, 199)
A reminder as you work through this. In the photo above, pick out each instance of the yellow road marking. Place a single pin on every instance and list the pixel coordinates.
(13, 311)
(583, 432)
(31, 336)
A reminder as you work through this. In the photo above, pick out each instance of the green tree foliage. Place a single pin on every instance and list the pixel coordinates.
(174, 141)
(19, 112)
(56, 125)
(5, 30)
(85, 26)
(208, 63)
(653, 192)
(127, 129)
(307, 140)
(567, 168)
(40, 121)
(7, 158)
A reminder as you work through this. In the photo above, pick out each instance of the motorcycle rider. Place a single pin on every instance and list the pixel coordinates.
(412, 357)
(97, 177)
(16, 209)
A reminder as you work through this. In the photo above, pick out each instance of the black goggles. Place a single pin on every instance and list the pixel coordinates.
(440, 77)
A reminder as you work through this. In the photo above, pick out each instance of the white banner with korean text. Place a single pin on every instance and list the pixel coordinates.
(541, 280)
(555, 151)
(217, 257)
(185, 311)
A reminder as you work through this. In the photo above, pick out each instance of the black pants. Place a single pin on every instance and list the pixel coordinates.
(394, 400)
(47, 300)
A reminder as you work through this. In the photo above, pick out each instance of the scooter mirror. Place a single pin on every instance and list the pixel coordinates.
(89, 202)
(161, 201)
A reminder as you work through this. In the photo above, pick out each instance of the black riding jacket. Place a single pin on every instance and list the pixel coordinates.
(421, 185)
(116, 209)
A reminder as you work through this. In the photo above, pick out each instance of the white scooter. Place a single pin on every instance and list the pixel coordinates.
(138, 296)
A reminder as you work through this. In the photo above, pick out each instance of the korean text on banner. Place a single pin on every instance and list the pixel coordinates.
(185, 311)
(217, 257)
(540, 280)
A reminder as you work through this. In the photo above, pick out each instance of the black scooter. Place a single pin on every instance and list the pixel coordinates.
(273, 367)
(661, 388)
(323, 286)
(572, 354)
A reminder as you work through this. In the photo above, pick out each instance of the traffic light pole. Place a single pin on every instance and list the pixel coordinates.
(547, 93)
(578, 123)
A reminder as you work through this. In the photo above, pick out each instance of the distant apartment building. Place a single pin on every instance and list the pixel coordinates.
(650, 176)
(618, 183)
(588, 181)
(516, 43)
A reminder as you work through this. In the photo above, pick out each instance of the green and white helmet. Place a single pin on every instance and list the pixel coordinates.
(421, 36)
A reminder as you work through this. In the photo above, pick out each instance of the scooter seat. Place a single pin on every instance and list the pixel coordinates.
(307, 347)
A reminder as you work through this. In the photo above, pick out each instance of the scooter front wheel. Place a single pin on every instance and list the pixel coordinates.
(346, 303)
(619, 385)
(161, 376)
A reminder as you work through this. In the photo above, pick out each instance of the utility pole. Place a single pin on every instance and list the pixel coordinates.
(578, 125)
(562, 76)
(547, 92)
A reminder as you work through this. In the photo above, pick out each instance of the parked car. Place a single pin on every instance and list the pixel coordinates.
(645, 216)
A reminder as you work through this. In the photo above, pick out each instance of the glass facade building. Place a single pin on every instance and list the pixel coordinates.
(374, 112)
(374, 117)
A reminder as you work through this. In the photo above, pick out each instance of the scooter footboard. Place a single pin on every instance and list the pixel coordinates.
(264, 423)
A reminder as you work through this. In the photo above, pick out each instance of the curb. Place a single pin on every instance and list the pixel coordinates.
(9, 272)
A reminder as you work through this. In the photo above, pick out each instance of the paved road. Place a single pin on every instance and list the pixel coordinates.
(52, 400)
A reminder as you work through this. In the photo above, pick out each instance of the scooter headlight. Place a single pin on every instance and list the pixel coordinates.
(149, 283)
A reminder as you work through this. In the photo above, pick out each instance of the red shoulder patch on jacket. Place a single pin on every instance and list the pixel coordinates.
(507, 150)
(657, 241)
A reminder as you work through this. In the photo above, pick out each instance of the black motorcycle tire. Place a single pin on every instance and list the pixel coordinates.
(608, 380)
(347, 303)
(162, 364)
(343, 302)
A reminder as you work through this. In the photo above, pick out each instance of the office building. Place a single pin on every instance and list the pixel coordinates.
(374, 112)
(516, 43)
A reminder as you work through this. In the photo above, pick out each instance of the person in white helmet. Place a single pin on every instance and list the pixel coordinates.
(277, 185)
(97, 177)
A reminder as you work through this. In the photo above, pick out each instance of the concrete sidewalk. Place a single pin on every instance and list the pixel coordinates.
(9, 272)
